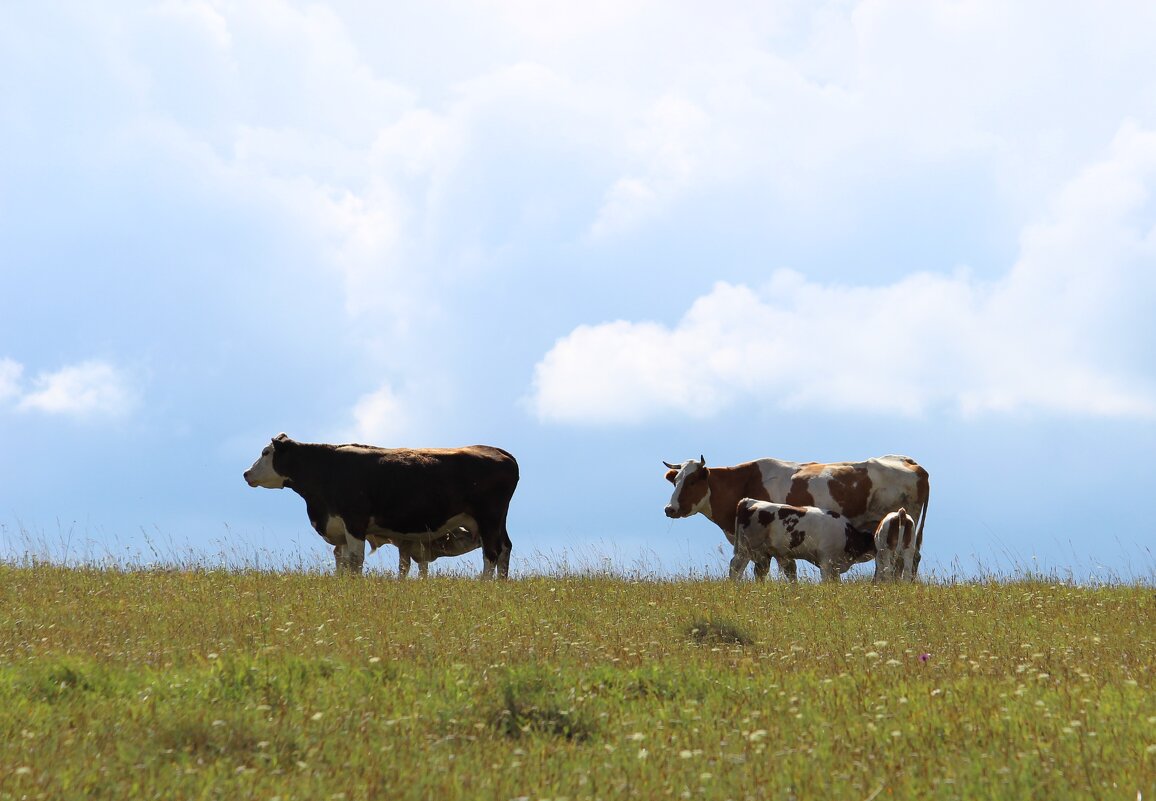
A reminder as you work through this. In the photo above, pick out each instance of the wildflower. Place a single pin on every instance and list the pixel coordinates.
(643, 753)
(637, 736)
(757, 735)
(924, 657)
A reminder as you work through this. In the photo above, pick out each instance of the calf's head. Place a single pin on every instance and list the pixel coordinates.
(691, 487)
(264, 472)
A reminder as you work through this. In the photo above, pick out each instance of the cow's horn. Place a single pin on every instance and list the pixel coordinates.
(671, 466)
(702, 460)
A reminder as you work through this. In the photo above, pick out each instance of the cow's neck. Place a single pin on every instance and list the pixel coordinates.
(726, 487)
(307, 467)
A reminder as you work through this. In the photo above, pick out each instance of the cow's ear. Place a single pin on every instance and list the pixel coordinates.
(670, 474)
(281, 439)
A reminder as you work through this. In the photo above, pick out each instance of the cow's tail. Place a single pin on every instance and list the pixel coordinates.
(925, 485)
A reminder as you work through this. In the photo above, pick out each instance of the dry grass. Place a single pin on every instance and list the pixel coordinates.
(236, 684)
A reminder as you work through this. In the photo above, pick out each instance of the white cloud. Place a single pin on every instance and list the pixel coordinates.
(669, 146)
(10, 372)
(86, 390)
(1066, 330)
(380, 417)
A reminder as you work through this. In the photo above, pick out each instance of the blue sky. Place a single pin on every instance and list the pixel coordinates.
(597, 234)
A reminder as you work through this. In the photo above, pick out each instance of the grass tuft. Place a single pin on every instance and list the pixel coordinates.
(715, 631)
(528, 708)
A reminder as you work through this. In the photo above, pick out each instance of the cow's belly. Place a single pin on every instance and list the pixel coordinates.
(449, 527)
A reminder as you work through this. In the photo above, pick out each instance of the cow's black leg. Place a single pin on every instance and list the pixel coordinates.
(496, 546)
(762, 568)
(504, 556)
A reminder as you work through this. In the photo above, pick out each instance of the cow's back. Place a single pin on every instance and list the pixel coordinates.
(414, 489)
(864, 492)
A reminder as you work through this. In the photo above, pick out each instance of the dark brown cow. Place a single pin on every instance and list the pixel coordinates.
(409, 497)
(863, 492)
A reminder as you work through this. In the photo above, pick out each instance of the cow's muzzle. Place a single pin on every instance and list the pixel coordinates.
(672, 511)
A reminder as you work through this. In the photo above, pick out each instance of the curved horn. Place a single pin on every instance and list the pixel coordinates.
(702, 460)
(671, 466)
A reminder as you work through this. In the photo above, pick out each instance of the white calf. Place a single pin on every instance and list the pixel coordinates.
(896, 547)
(764, 530)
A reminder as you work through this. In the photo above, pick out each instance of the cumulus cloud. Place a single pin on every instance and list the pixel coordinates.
(380, 416)
(86, 390)
(10, 372)
(398, 413)
(1066, 330)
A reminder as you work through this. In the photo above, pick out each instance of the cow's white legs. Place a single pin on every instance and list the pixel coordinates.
(829, 571)
(915, 558)
(738, 566)
(909, 564)
(884, 564)
(352, 555)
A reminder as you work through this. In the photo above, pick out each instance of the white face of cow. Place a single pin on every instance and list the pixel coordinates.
(691, 489)
(262, 474)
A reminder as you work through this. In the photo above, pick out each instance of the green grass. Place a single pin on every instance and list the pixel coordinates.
(218, 684)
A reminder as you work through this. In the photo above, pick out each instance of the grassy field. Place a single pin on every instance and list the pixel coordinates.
(222, 684)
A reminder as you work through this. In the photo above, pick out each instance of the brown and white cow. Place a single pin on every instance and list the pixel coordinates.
(409, 497)
(896, 547)
(823, 538)
(863, 492)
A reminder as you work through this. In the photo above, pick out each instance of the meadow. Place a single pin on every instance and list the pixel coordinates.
(132, 683)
